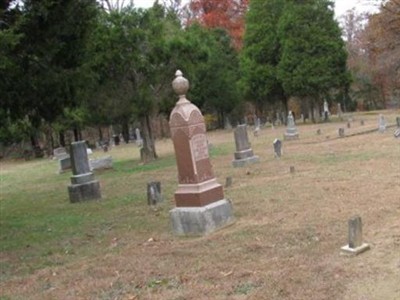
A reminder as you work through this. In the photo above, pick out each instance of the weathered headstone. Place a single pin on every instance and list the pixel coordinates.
(64, 164)
(302, 118)
(244, 154)
(291, 130)
(228, 181)
(139, 140)
(341, 132)
(398, 121)
(382, 124)
(292, 169)
(101, 163)
(83, 184)
(318, 131)
(348, 124)
(277, 148)
(355, 245)
(60, 153)
(362, 122)
(200, 204)
(154, 195)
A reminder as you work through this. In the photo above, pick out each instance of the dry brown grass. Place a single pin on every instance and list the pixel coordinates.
(285, 243)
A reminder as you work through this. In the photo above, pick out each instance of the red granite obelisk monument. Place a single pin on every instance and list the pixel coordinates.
(200, 204)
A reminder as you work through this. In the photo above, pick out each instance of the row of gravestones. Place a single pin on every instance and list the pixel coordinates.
(65, 162)
(281, 118)
(200, 203)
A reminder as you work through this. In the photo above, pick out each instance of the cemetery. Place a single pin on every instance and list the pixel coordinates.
(199, 149)
(285, 242)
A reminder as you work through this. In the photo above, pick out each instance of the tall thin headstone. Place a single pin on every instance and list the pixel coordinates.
(200, 204)
(244, 154)
(291, 130)
(277, 148)
(154, 195)
(83, 184)
(355, 245)
(382, 124)
(398, 122)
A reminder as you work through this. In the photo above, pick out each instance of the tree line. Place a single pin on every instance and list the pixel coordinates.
(68, 64)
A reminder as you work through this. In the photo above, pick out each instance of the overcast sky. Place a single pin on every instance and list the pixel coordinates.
(340, 8)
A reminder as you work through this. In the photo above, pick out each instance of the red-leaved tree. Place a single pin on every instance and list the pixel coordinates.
(226, 14)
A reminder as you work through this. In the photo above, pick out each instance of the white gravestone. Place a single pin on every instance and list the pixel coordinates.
(382, 124)
(291, 130)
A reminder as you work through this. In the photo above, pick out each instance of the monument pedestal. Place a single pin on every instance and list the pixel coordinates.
(291, 134)
(241, 162)
(202, 220)
(83, 184)
(290, 137)
(198, 194)
(355, 251)
(200, 204)
(244, 154)
(291, 130)
(84, 191)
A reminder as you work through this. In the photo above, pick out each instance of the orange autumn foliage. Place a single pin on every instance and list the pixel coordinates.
(226, 14)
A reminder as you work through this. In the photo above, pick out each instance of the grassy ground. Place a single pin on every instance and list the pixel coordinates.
(285, 243)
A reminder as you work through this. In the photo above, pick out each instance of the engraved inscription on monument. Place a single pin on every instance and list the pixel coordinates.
(199, 146)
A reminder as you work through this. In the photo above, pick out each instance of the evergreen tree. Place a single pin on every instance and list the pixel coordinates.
(313, 55)
(42, 49)
(261, 54)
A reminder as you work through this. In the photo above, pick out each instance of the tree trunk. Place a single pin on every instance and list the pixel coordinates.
(221, 118)
(100, 134)
(311, 101)
(80, 134)
(148, 151)
(76, 134)
(38, 153)
(125, 131)
(284, 100)
(61, 136)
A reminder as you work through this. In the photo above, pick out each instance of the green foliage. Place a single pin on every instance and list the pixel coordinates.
(313, 56)
(208, 60)
(261, 53)
(292, 48)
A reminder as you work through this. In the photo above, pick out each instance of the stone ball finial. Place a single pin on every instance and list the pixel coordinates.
(180, 84)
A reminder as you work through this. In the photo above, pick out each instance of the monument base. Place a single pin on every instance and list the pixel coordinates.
(245, 161)
(201, 220)
(290, 137)
(354, 251)
(85, 191)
